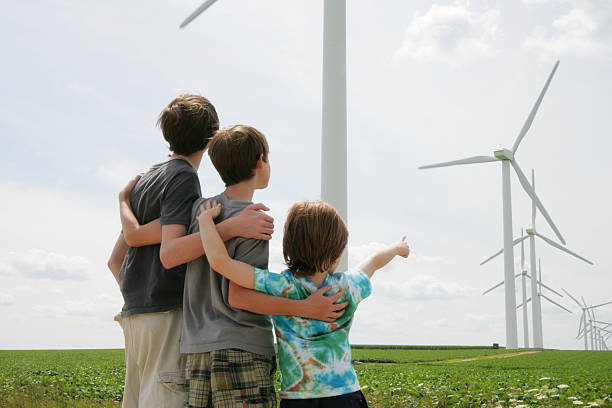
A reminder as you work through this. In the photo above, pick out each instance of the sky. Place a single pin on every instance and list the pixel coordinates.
(82, 83)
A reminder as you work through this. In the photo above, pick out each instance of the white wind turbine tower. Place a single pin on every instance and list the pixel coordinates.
(333, 129)
(536, 306)
(506, 156)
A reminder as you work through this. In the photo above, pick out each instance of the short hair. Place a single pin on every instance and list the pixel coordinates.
(234, 152)
(188, 123)
(315, 236)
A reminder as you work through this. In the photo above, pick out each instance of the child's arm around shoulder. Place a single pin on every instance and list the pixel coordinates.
(239, 272)
(384, 256)
(317, 306)
(136, 235)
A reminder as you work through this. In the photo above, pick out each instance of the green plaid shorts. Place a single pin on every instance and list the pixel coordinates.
(230, 378)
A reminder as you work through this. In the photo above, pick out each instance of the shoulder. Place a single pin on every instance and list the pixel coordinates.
(348, 277)
(271, 282)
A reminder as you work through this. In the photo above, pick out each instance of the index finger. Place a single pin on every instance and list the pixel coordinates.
(337, 296)
(266, 217)
(257, 207)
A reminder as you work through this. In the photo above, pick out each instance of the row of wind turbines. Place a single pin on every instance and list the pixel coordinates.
(598, 331)
(334, 184)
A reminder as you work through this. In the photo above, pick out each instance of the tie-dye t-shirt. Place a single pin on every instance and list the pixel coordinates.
(314, 356)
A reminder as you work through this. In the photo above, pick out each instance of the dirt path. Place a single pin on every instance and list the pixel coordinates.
(505, 355)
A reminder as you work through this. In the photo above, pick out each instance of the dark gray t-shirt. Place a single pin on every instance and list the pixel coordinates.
(166, 191)
(209, 322)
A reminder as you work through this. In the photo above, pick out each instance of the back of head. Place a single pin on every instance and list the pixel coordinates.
(315, 236)
(235, 150)
(188, 123)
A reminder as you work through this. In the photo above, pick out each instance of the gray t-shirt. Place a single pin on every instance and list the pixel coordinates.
(209, 322)
(166, 191)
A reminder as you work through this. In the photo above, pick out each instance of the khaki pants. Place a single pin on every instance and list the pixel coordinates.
(154, 367)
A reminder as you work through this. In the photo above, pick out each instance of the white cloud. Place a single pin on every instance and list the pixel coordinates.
(421, 287)
(6, 300)
(538, 1)
(38, 263)
(450, 34)
(584, 31)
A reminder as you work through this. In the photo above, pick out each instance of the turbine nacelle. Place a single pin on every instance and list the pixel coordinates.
(530, 231)
(504, 154)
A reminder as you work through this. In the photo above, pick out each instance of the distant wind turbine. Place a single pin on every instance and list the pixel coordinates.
(507, 158)
(542, 295)
(536, 306)
(522, 274)
(587, 315)
(333, 129)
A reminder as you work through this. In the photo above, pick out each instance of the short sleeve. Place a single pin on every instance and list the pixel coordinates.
(359, 285)
(271, 283)
(177, 201)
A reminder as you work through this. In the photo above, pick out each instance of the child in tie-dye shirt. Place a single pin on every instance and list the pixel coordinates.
(314, 356)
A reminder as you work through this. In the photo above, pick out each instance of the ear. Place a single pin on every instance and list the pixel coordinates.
(260, 161)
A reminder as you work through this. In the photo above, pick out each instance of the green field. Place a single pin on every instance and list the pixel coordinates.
(398, 377)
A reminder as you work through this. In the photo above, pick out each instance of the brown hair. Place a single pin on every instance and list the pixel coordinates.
(314, 238)
(234, 152)
(188, 123)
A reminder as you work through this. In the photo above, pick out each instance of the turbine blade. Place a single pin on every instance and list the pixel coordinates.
(522, 253)
(562, 248)
(533, 206)
(527, 187)
(573, 298)
(601, 304)
(197, 12)
(527, 301)
(555, 303)
(490, 289)
(534, 110)
(501, 251)
(469, 160)
(551, 289)
(580, 324)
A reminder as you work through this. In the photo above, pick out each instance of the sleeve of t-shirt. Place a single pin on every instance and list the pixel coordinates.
(359, 285)
(182, 190)
(270, 282)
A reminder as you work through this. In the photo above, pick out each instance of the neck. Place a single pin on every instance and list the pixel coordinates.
(194, 158)
(318, 278)
(242, 191)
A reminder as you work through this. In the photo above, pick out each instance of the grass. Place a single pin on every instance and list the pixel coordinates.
(420, 377)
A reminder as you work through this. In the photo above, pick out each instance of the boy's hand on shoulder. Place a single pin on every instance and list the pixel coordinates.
(402, 248)
(124, 194)
(253, 223)
(324, 308)
(209, 210)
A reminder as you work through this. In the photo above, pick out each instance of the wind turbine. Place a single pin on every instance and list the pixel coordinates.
(536, 306)
(587, 314)
(542, 295)
(333, 129)
(506, 156)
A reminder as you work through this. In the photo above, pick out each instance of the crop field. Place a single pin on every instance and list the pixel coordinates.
(400, 377)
